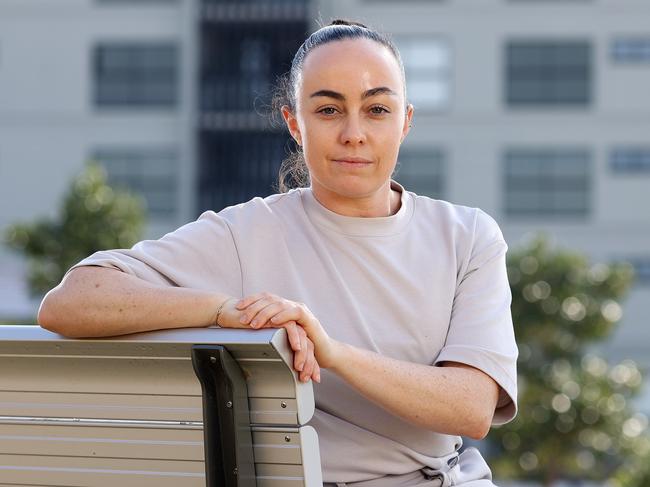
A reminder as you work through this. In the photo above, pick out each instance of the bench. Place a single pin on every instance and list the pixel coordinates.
(185, 407)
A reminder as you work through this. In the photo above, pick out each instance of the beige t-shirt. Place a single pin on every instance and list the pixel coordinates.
(425, 285)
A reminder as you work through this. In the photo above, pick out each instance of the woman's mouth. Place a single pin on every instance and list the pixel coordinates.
(353, 161)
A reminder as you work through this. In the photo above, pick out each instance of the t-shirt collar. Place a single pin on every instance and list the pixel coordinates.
(360, 226)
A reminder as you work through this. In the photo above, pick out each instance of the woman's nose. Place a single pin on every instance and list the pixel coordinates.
(352, 132)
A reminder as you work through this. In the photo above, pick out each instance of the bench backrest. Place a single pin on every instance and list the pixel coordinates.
(130, 410)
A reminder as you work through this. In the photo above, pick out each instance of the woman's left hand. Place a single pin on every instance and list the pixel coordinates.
(265, 310)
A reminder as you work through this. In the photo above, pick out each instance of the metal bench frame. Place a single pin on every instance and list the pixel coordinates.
(185, 407)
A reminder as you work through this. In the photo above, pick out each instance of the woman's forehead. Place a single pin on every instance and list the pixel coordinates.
(350, 66)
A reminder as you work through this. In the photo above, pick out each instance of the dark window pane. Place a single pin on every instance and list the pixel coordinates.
(632, 160)
(241, 56)
(238, 165)
(137, 2)
(152, 173)
(548, 73)
(422, 171)
(631, 50)
(140, 75)
(641, 269)
(547, 182)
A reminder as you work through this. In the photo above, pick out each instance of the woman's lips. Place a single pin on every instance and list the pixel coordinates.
(353, 161)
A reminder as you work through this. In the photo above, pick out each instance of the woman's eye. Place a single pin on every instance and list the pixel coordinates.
(327, 111)
(379, 110)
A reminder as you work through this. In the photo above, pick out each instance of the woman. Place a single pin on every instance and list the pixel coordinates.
(399, 301)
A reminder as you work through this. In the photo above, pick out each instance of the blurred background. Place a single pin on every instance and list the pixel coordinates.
(536, 111)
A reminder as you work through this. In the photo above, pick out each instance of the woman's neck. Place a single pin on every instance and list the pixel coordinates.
(383, 203)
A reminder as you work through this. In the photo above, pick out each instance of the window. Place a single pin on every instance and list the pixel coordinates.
(410, 1)
(137, 2)
(249, 60)
(152, 173)
(549, 1)
(631, 50)
(641, 269)
(630, 160)
(548, 73)
(427, 66)
(237, 165)
(135, 75)
(547, 182)
(422, 171)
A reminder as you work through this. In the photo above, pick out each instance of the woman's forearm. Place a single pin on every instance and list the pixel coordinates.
(96, 301)
(448, 400)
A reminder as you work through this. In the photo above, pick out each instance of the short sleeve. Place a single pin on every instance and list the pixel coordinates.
(199, 255)
(480, 332)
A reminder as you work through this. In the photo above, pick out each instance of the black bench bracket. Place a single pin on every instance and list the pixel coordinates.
(227, 435)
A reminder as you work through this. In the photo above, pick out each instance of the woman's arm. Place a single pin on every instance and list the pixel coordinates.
(96, 301)
(454, 399)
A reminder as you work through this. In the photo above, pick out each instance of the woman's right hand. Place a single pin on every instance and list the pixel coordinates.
(304, 360)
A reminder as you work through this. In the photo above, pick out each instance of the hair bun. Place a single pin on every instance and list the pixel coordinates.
(347, 22)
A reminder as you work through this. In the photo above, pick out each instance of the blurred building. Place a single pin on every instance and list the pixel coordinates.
(167, 94)
(534, 110)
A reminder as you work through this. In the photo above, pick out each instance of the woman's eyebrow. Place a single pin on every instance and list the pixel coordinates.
(381, 90)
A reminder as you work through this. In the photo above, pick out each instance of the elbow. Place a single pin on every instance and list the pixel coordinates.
(51, 315)
(68, 308)
(480, 427)
(478, 433)
(47, 316)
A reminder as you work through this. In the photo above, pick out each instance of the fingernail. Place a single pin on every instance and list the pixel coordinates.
(306, 379)
(239, 303)
(300, 367)
(243, 319)
(318, 378)
(254, 323)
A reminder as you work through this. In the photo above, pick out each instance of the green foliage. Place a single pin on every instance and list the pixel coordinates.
(575, 420)
(93, 217)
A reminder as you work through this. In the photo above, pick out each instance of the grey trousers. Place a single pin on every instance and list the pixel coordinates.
(418, 478)
(467, 470)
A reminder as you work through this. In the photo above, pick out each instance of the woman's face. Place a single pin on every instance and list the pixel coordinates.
(350, 119)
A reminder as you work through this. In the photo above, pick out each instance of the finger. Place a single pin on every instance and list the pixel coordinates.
(308, 368)
(254, 308)
(248, 300)
(292, 335)
(316, 373)
(300, 356)
(265, 314)
(289, 313)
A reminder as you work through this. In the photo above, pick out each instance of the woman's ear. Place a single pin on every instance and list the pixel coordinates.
(292, 123)
(407, 122)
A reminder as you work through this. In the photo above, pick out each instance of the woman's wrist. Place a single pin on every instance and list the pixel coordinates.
(336, 356)
(219, 310)
(218, 307)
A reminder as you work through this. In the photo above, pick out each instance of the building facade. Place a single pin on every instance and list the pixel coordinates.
(167, 94)
(535, 111)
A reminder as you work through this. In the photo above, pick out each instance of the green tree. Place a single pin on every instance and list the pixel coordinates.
(575, 420)
(93, 217)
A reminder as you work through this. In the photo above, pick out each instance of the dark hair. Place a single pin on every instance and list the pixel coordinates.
(293, 171)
